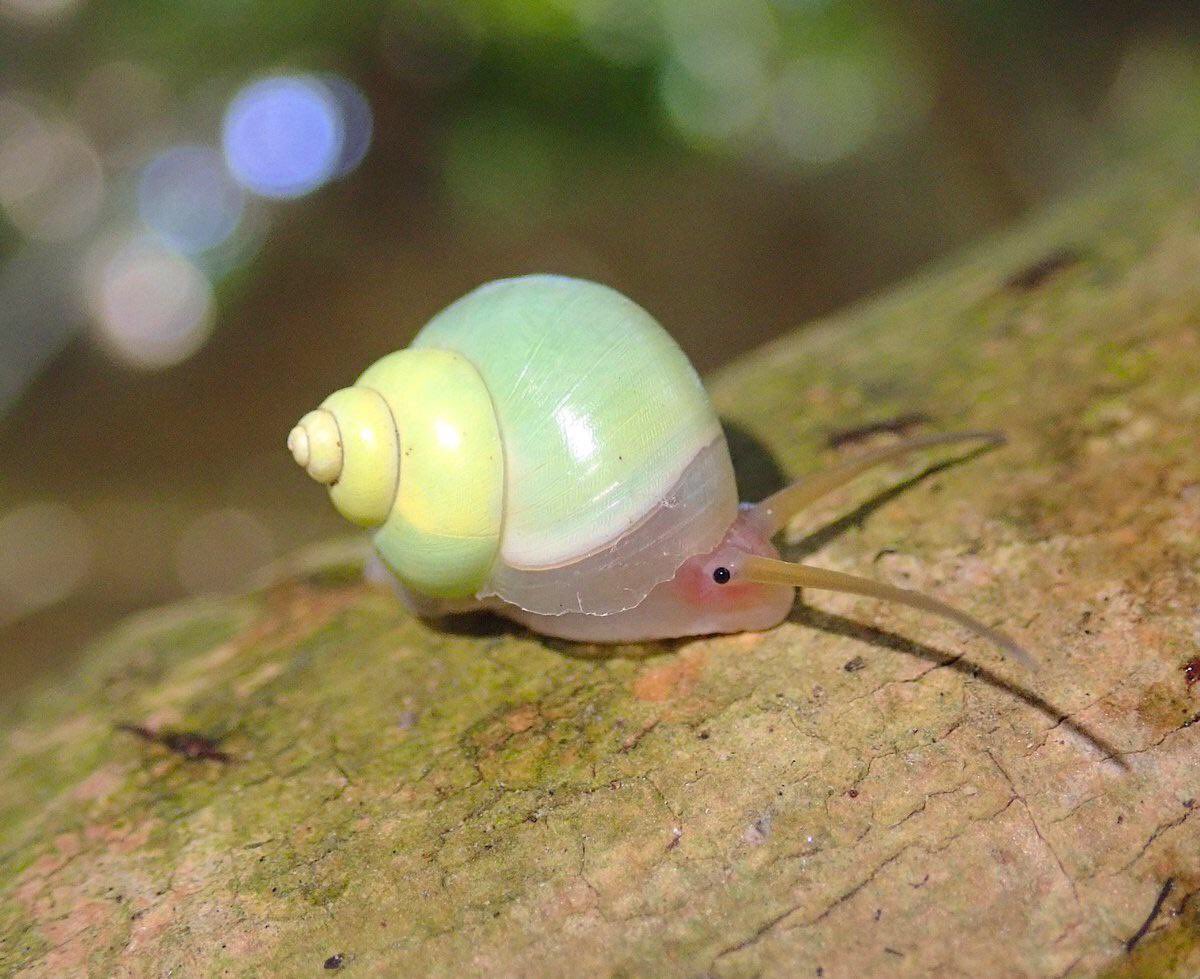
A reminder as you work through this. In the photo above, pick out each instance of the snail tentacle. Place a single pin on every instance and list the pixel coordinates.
(771, 571)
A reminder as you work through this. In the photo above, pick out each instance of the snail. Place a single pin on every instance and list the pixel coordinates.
(545, 450)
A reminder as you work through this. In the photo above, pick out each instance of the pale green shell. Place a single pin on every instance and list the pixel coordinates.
(556, 450)
(600, 411)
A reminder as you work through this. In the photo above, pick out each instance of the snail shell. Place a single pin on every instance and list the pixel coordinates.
(543, 442)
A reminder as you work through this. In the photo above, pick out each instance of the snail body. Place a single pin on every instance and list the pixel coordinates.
(545, 450)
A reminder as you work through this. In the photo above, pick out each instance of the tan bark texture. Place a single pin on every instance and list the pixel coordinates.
(863, 791)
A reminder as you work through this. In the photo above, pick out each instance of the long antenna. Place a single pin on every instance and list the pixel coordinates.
(770, 571)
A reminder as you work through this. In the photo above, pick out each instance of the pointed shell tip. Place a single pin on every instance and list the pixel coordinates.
(297, 444)
(316, 445)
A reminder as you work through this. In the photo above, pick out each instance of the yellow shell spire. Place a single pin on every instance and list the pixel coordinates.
(437, 523)
(316, 445)
(351, 445)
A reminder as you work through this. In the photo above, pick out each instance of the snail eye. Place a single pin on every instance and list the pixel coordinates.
(720, 575)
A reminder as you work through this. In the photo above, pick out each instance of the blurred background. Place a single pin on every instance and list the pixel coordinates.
(214, 213)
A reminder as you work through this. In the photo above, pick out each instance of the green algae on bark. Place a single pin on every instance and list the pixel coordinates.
(862, 791)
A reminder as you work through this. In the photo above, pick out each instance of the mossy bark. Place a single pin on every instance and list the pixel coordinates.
(861, 791)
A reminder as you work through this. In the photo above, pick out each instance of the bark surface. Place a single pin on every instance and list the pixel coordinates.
(863, 791)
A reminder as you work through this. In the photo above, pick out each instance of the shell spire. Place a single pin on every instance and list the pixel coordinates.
(351, 445)
(438, 527)
(316, 445)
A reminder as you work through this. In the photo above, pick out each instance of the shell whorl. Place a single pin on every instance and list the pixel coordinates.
(350, 444)
(413, 449)
(316, 445)
(543, 441)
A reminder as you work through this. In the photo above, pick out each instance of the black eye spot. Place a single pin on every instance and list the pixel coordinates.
(720, 575)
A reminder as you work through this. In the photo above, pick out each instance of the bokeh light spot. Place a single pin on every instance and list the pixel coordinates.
(720, 102)
(36, 12)
(357, 122)
(824, 109)
(152, 306)
(51, 180)
(45, 554)
(715, 81)
(240, 247)
(38, 314)
(284, 136)
(186, 196)
(1144, 102)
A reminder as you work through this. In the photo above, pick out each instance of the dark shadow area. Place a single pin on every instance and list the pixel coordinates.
(855, 518)
(598, 652)
(758, 473)
(840, 626)
(475, 625)
(900, 425)
(491, 625)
